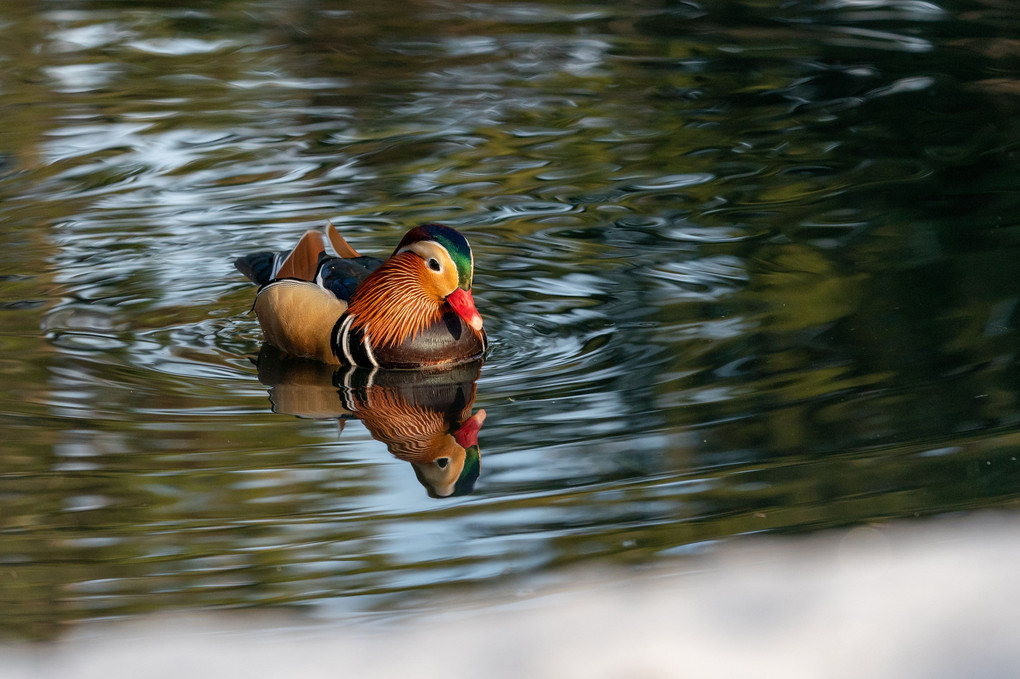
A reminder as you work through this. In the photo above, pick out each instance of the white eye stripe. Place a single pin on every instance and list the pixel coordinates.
(431, 251)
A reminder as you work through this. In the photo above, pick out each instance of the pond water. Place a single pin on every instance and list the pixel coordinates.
(746, 268)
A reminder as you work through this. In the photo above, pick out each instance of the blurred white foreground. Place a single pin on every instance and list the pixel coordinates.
(912, 600)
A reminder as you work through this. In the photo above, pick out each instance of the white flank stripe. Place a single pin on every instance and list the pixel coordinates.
(345, 340)
(368, 350)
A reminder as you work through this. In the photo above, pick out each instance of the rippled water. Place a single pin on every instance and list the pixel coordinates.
(745, 268)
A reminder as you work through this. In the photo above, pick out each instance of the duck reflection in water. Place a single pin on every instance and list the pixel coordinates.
(423, 417)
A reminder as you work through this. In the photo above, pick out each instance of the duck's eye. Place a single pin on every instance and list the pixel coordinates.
(433, 264)
(442, 462)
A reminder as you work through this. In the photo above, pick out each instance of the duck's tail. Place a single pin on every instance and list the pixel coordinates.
(259, 267)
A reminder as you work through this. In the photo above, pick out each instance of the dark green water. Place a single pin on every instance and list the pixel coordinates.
(746, 268)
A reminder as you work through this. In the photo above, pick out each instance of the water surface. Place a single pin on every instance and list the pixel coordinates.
(746, 269)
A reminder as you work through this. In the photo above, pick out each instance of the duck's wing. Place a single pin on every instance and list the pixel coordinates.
(303, 261)
(343, 276)
(308, 261)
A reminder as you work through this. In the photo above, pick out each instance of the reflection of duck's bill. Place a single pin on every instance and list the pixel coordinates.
(467, 435)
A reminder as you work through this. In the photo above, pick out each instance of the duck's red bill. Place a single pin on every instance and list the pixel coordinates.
(464, 304)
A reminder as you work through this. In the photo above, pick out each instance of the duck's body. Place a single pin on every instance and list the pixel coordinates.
(412, 310)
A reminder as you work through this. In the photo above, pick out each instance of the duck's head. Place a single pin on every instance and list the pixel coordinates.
(427, 275)
(449, 267)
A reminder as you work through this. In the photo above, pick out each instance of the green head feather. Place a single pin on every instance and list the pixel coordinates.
(451, 239)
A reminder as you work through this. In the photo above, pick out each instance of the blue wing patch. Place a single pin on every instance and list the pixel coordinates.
(342, 276)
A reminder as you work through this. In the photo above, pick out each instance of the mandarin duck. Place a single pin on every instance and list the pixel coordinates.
(412, 310)
(423, 417)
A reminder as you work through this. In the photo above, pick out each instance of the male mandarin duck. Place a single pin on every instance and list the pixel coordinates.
(412, 310)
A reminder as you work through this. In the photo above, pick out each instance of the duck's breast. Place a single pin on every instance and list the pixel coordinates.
(447, 341)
